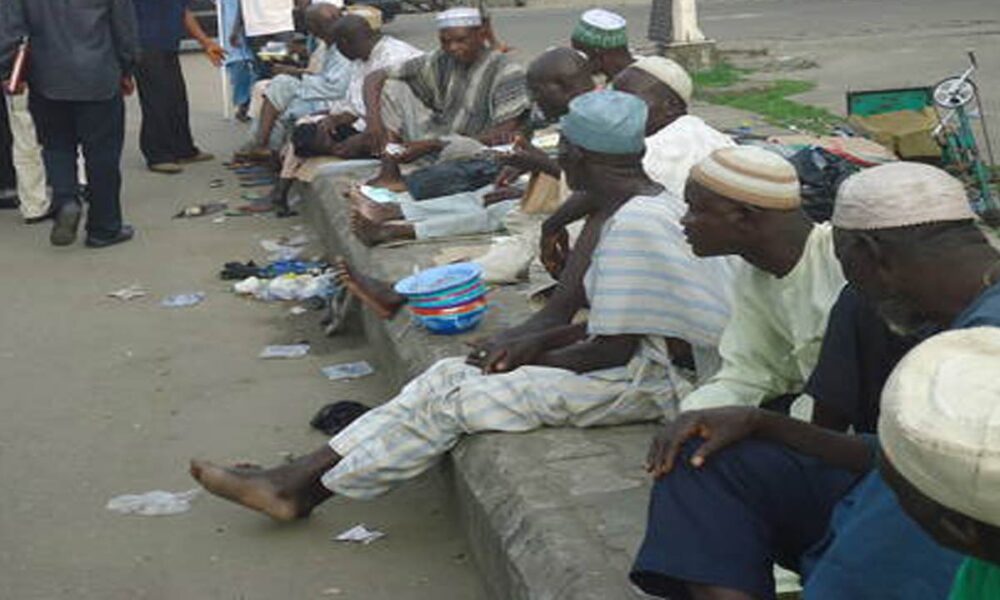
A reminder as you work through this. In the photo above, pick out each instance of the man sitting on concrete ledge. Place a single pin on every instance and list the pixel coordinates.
(675, 140)
(554, 78)
(464, 88)
(341, 133)
(602, 36)
(739, 488)
(646, 292)
(296, 93)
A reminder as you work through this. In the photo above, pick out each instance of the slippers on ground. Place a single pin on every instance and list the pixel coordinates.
(333, 418)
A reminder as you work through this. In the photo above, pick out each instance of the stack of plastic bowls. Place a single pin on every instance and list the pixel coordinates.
(446, 300)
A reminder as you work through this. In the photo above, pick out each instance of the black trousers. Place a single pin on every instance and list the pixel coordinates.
(98, 128)
(166, 125)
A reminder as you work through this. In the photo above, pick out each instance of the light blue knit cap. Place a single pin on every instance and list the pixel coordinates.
(606, 121)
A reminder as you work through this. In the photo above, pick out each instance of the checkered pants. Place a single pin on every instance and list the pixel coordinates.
(404, 437)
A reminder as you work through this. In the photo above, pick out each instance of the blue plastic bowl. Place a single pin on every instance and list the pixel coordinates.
(453, 324)
(454, 302)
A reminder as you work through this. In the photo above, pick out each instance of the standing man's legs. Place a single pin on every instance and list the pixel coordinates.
(56, 125)
(180, 117)
(157, 96)
(31, 186)
(101, 127)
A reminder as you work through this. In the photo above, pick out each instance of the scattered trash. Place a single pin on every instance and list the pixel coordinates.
(286, 351)
(284, 248)
(287, 287)
(359, 534)
(353, 370)
(183, 300)
(129, 293)
(238, 270)
(331, 591)
(201, 210)
(334, 417)
(298, 310)
(219, 220)
(157, 503)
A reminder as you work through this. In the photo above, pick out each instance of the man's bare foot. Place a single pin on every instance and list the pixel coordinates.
(284, 493)
(375, 294)
(389, 177)
(371, 233)
(248, 486)
(377, 212)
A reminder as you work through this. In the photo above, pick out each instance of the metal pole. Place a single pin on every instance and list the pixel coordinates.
(219, 20)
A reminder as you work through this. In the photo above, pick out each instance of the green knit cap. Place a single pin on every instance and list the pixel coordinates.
(599, 28)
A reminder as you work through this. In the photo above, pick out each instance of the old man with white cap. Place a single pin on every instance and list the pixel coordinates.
(940, 441)
(463, 88)
(740, 488)
(602, 35)
(675, 140)
(615, 368)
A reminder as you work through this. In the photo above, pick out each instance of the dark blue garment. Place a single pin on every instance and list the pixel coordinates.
(161, 23)
(858, 353)
(753, 503)
(983, 312)
(98, 129)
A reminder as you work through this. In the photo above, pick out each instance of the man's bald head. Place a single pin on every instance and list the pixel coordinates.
(355, 37)
(558, 76)
(321, 19)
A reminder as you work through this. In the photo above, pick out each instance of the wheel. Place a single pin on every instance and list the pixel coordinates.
(953, 92)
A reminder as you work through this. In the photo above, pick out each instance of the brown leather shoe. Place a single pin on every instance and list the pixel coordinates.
(166, 168)
(200, 157)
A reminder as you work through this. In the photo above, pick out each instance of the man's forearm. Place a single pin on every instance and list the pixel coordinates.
(374, 84)
(593, 355)
(502, 133)
(195, 30)
(837, 449)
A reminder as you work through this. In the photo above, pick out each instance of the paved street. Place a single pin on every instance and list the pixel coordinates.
(102, 398)
(859, 44)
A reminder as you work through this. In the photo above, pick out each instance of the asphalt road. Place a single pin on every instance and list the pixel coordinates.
(858, 44)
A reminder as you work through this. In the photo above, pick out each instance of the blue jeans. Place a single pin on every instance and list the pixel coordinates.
(241, 79)
(64, 126)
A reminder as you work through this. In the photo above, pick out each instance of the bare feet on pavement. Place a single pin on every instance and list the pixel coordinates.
(390, 177)
(375, 294)
(371, 233)
(374, 211)
(283, 493)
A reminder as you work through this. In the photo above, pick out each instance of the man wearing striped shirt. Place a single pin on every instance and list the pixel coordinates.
(651, 302)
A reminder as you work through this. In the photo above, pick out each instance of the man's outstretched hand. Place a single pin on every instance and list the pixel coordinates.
(717, 428)
(16, 91)
(215, 53)
(127, 85)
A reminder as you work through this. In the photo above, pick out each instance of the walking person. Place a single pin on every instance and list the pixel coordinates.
(82, 61)
(165, 139)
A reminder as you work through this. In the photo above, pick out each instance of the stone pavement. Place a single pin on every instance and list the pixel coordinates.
(554, 514)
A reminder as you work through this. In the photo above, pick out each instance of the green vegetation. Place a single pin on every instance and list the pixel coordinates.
(721, 75)
(769, 99)
(771, 103)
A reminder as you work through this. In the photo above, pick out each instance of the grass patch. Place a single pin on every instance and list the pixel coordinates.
(770, 102)
(721, 75)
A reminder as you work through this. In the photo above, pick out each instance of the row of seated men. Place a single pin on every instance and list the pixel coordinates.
(711, 295)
